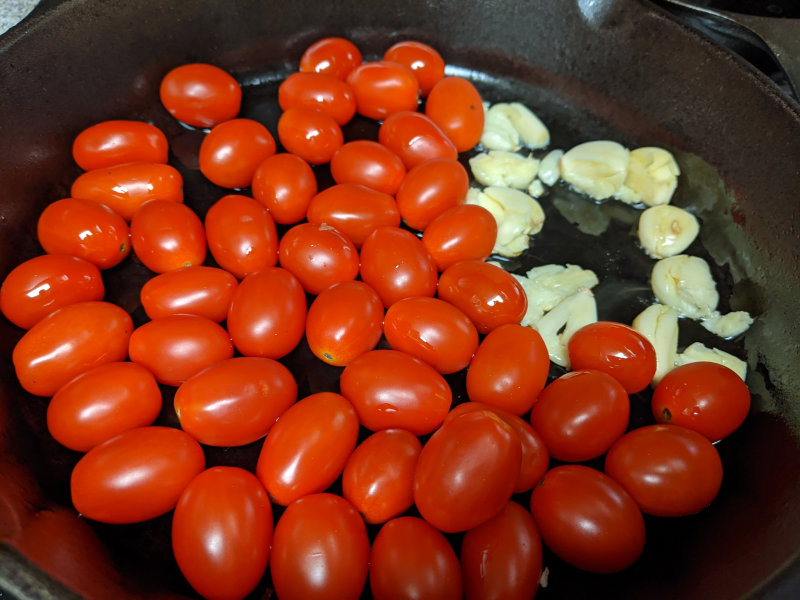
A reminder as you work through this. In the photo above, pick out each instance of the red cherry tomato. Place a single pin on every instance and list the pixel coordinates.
(706, 397)
(397, 265)
(467, 471)
(463, 232)
(68, 342)
(221, 533)
(102, 403)
(40, 285)
(135, 476)
(310, 134)
(110, 143)
(176, 347)
(502, 558)
(230, 153)
(391, 389)
(587, 519)
(318, 255)
(234, 402)
(429, 189)
(267, 313)
(383, 88)
(167, 235)
(457, 107)
(333, 55)
(319, 91)
(285, 184)
(426, 63)
(204, 291)
(368, 163)
(320, 549)
(415, 138)
(201, 95)
(411, 559)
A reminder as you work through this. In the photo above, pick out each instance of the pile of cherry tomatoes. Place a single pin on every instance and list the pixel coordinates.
(384, 275)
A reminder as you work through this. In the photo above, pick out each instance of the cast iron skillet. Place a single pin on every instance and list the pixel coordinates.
(616, 69)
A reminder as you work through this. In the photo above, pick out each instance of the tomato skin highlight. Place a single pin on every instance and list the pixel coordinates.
(232, 150)
(285, 184)
(332, 55)
(115, 142)
(463, 232)
(369, 164)
(318, 91)
(203, 291)
(429, 189)
(457, 108)
(167, 235)
(200, 94)
(415, 138)
(382, 88)
(311, 134)
(424, 61)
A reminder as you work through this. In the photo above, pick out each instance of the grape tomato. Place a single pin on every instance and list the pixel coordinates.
(424, 61)
(429, 189)
(382, 88)
(318, 91)
(200, 94)
(110, 143)
(368, 163)
(333, 56)
(311, 134)
(231, 152)
(285, 184)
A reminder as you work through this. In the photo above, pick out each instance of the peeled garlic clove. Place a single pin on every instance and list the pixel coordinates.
(698, 352)
(728, 325)
(684, 282)
(498, 131)
(667, 230)
(557, 326)
(532, 132)
(503, 168)
(596, 168)
(518, 216)
(549, 172)
(536, 189)
(651, 178)
(659, 324)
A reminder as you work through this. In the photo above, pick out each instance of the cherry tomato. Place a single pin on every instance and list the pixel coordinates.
(397, 265)
(343, 322)
(221, 533)
(68, 342)
(201, 95)
(234, 402)
(669, 471)
(318, 255)
(411, 559)
(379, 475)
(487, 294)
(124, 188)
(176, 347)
(463, 232)
(110, 143)
(320, 549)
(102, 403)
(501, 559)
(581, 414)
(285, 184)
(429, 189)
(267, 313)
(368, 163)
(353, 209)
(241, 234)
(706, 397)
(467, 471)
(415, 138)
(135, 476)
(391, 389)
(383, 88)
(167, 235)
(457, 107)
(231, 151)
(204, 291)
(319, 91)
(588, 519)
(310, 134)
(84, 229)
(509, 369)
(426, 63)
(40, 285)
(333, 55)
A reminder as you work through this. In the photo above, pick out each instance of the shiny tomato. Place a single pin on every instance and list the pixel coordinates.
(167, 235)
(68, 342)
(135, 476)
(332, 55)
(501, 559)
(310, 134)
(392, 389)
(415, 138)
(241, 235)
(368, 163)
(267, 313)
(587, 519)
(344, 321)
(457, 108)
(487, 294)
(467, 471)
(383, 88)
(379, 475)
(411, 559)
(110, 143)
(432, 330)
(35, 288)
(201, 95)
(429, 189)
(509, 369)
(124, 188)
(176, 347)
(285, 184)
(669, 471)
(353, 209)
(397, 265)
(426, 63)
(319, 91)
(234, 402)
(221, 533)
(318, 255)
(320, 550)
(102, 403)
(706, 397)
(463, 232)
(204, 291)
(231, 151)
(84, 229)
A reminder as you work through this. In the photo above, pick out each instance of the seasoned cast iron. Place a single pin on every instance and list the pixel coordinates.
(591, 69)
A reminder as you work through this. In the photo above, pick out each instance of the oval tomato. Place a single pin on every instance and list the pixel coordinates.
(415, 138)
(332, 55)
(423, 60)
(429, 189)
(201, 95)
(231, 151)
(167, 235)
(457, 108)
(310, 134)
(285, 184)
(110, 143)
(203, 291)
(463, 232)
(382, 88)
(368, 163)
(319, 91)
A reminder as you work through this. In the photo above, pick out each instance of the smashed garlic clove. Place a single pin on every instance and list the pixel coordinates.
(550, 284)
(499, 132)
(685, 283)
(699, 352)
(503, 168)
(532, 132)
(667, 230)
(596, 168)
(549, 171)
(651, 178)
(518, 216)
(558, 325)
(729, 325)
(659, 324)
